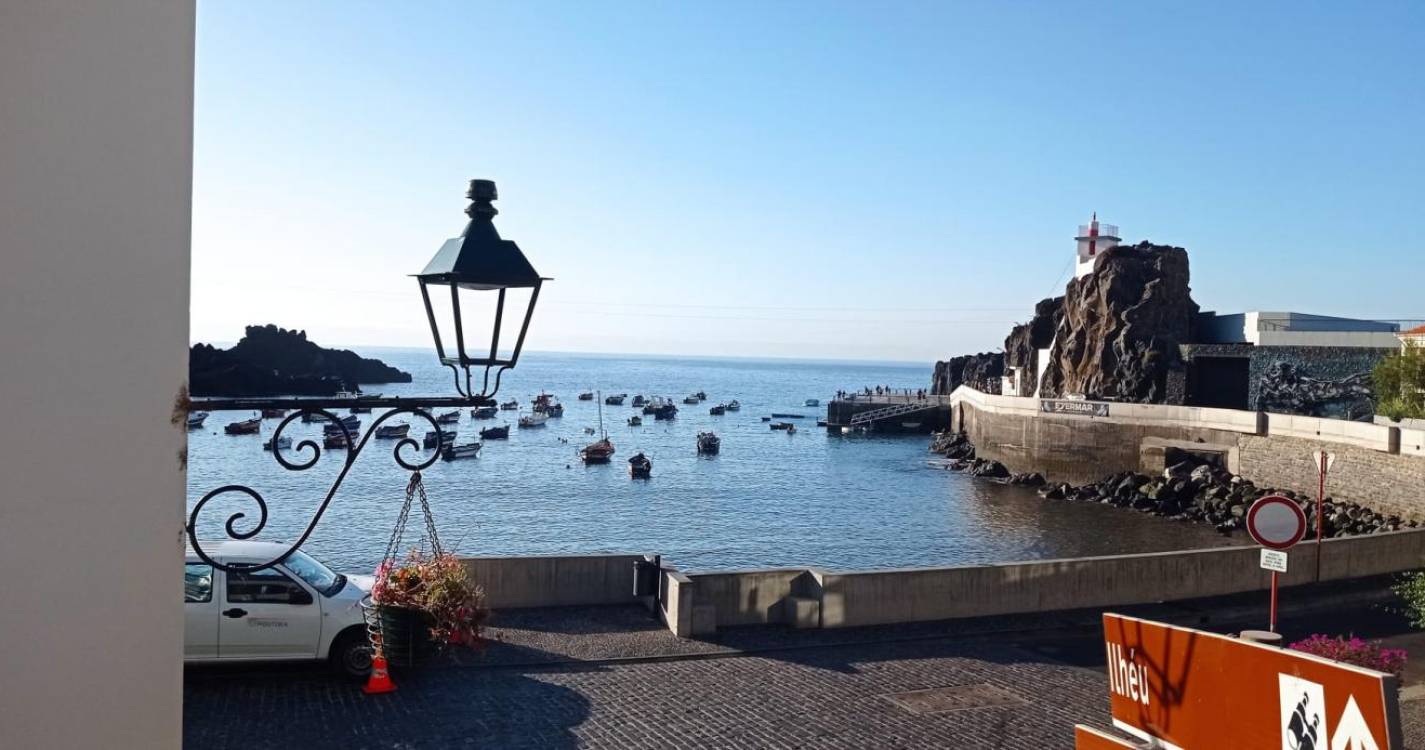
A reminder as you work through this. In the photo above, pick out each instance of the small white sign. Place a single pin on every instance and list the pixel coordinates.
(1274, 559)
(1316, 460)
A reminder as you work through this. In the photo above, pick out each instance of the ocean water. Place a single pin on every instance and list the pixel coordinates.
(841, 502)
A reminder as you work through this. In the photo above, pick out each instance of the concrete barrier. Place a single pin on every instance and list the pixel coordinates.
(815, 598)
(1359, 434)
(554, 580)
(1412, 442)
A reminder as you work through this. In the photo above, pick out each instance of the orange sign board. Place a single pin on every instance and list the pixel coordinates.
(1088, 738)
(1193, 690)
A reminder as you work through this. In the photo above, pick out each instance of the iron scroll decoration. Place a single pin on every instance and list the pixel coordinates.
(314, 454)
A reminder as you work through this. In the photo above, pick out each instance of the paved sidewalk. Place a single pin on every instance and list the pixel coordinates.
(610, 678)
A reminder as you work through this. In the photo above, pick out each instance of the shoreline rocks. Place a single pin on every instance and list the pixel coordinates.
(1190, 490)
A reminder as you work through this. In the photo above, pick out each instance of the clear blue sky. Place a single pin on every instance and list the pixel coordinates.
(846, 180)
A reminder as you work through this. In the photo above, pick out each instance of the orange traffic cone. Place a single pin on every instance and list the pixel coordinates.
(380, 680)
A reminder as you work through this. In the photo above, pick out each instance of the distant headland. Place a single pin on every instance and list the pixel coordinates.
(272, 361)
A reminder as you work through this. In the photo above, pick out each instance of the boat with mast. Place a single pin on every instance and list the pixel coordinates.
(601, 450)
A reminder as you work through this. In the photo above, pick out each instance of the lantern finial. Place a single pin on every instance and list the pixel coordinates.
(481, 193)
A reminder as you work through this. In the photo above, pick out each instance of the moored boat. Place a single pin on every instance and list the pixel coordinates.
(639, 400)
(245, 427)
(586, 396)
(510, 405)
(734, 405)
(718, 410)
(666, 411)
(635, 421)
(392, 431)
(283, 443)
(691, 400)
(195, 420)
(616, 399)
(598, 452)
(438, 439)
(351, 423)
(468, 450)
(533, 420)
(314, 416)
(640, 467)
(484, 412)
(811, 402)
(701, 396)
(781, 425)
(360, 410)
(450, 417)
(274, 413)
(495, 433)
(709, 443)
(334, 440)
(788, 416)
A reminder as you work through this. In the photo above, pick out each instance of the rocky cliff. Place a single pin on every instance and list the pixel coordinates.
(271, 361)
(1021, 347)
(1120, 328)
(981, 371)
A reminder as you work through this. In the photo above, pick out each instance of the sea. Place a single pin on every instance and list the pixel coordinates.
(768, 499)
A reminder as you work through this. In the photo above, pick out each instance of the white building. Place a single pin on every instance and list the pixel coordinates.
(1413, 337)
(1295, 329)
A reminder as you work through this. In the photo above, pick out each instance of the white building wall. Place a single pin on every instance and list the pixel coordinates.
(96, 131)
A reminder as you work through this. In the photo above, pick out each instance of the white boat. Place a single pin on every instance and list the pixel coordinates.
(811, 402)
(734, 405)
(469, 450)
(283, 443)
(195, 420)
(533, 420)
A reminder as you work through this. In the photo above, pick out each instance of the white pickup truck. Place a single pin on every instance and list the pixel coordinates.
(296, 610)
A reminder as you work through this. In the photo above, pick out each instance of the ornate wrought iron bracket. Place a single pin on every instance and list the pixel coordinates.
(416, 407)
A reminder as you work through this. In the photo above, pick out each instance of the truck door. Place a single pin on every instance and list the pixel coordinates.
(267, 614)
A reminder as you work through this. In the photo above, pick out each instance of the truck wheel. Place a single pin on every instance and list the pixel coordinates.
(351, 654)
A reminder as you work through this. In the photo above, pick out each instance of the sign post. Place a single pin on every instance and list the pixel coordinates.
(1276, 522)
(1187, 689)
(1323, 462)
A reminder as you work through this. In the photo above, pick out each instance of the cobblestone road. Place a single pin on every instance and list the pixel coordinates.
(833, 697)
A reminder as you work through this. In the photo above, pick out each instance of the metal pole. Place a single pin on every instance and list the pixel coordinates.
(1320, 507)
(1273, 626)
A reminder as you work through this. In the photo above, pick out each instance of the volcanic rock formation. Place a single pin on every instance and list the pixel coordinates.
(271, 361)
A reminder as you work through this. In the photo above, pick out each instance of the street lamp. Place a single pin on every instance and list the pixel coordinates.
(480, 263)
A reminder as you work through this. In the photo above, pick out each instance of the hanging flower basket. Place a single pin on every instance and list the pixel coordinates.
(423, 602)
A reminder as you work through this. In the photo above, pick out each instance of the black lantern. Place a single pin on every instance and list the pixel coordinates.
(488, 269)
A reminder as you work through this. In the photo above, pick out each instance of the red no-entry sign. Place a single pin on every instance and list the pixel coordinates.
(1276, 522)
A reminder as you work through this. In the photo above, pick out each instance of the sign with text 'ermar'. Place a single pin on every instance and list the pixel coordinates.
(1074, 408)
(1192, 690)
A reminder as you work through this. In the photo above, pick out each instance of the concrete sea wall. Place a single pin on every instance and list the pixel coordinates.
(1380, 466)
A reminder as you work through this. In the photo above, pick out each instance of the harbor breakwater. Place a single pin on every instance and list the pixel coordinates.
(1379, 467)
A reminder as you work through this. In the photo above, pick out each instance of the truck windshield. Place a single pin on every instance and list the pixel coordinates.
(317, 575)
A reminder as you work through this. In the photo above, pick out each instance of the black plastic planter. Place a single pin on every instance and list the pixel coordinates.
(405, 633)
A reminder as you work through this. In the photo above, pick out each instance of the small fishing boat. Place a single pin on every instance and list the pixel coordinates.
(598, 452)
(811, 402)
(616, 399)
(441, 439)
(450, 417)
(639, 400)
(635, 421)
(734, 405)
(274, 413)
(766, 419)
(533, 420)
(781, 425)
(245, 427)
(510, 405)
(652, 405)
(484, 412)
(788, 416)
(701, 396)
(640, 467)
(495, 433)
(667, 411)
(469, 450)
(195, 420)
(283, 443)
(708, 443)
(821, 423)
(791, 429)
(392, 431)
(360, 410)
(691, 400)
(718, 410)
(313, 416)
(334, 440)
(551, 410)
(586, 396)
(351, 424)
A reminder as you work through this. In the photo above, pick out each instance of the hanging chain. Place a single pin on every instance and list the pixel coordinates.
(415, 489)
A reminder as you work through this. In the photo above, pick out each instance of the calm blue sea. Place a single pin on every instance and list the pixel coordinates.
(768, 500)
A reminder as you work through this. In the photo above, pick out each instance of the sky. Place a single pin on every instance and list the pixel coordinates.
(847, 180)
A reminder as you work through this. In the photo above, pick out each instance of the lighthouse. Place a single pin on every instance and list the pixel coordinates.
(1094, 238)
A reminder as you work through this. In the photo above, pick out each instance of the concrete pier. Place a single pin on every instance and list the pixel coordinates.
(889, 413)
